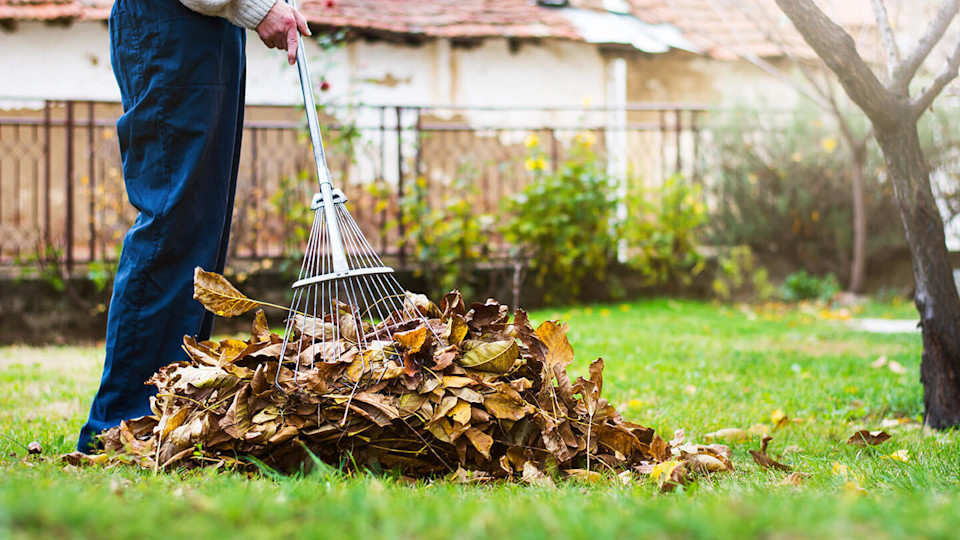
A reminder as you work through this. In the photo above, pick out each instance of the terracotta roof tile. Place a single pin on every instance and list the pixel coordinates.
(712, 26)
(443, 18)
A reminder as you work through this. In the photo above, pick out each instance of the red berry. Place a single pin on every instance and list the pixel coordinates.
(324, 86)
(331, 4)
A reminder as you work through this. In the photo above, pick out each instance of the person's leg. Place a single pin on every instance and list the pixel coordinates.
(181, 77)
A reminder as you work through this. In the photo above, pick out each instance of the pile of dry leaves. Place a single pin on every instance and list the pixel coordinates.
(472, 390)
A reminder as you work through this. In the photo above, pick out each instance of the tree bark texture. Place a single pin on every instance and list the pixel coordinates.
(895, 127)
(936, 295)
(858, 262)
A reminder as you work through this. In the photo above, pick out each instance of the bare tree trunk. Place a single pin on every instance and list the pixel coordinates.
(894, 116)
(858, 263)
(936, 295)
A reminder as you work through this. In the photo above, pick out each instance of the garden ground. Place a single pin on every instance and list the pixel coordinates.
(800, 374)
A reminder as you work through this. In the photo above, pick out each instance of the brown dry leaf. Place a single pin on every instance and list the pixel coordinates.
(260, 330)
(584, 475)
(868, 438)
(533, 475)
(896, 367)
(200, 352)
(218, 295)
(489, 398)
(452, 304)
(480, 440)
(422, 304)
(554, 336)
(203, 377)
(412, 340)
(494, 356)
(765, 461)
(793, 479)
(456, 330)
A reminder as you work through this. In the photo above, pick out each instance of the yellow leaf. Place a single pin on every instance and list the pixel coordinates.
(829, 144)
(664, 469)
(218, 295)
(554, 336)
(779, 418)
(839, 469)
(901, 455)
(412, 340)
(494, 356)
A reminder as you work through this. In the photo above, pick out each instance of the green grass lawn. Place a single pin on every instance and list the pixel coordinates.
(669, 364)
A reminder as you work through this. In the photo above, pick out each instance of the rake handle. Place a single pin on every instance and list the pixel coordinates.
(306, 87)
(340, 265)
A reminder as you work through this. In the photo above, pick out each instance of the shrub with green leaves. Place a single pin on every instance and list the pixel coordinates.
(780, 184)
(564, 221)
(448, 241)
(802, 285)
(664, 230)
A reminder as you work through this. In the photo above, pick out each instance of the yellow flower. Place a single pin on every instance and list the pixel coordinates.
(586, 138)
(829, 144)
(532, 140)
(537, 163)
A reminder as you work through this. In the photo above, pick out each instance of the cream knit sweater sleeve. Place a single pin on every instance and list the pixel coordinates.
(243, 13)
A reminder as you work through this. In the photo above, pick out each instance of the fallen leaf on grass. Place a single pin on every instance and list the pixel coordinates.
(868, 438)
(901, 455)
(34, 448)
(727, 434)
(896, 367)
(793, 479)
(764, 460)
(779, 419)
(879, 362)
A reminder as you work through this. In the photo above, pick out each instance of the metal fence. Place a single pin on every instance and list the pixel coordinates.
(62, 192)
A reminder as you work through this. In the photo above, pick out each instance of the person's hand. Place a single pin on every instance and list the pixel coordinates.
(281, 27)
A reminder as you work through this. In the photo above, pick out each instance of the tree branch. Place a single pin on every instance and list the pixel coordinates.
(905, 70)
(836, 48)
(947, 73)
(886, 35)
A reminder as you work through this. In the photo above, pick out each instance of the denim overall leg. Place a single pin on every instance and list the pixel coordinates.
(181, 77)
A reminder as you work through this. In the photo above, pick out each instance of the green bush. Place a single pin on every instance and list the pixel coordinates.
(802, 285)
(564, 222)
(446, 242)
(663, 232)
(739, 277)
(780, 184)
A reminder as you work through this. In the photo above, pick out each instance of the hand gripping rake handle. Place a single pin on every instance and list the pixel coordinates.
(340, 265)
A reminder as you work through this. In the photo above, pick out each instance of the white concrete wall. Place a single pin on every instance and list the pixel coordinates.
(40, 61)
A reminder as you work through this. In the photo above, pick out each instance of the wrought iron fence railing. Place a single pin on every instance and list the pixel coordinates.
(62, 194)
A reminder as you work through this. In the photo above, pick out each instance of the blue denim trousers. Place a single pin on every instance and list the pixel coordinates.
(181, 77)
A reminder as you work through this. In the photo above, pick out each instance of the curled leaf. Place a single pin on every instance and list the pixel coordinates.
(218, 295)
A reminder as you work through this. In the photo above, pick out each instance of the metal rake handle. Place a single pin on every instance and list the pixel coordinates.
(338, 253)
(323, 171)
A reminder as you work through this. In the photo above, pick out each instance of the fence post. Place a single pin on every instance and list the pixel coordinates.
(401, 228)
(380, 178)
(68, 218)
(254, 186)
(91, 182)
(46, 171)
(695, 128)
(678, 114)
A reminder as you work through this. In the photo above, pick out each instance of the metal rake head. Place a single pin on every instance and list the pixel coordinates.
(347, 305)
